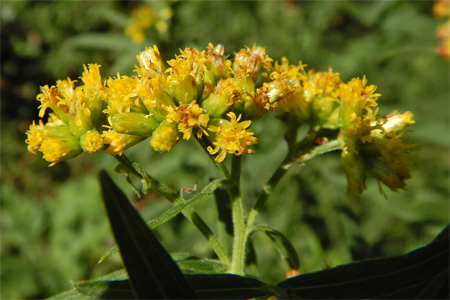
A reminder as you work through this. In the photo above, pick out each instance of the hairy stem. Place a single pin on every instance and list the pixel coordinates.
(237, 210)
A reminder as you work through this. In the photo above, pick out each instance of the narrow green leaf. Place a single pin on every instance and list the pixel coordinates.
(105, 289)
(106, 41)
(202, 266)
(72, 294)
(230, 286)
(172, 212)
(207, 286)
(422, 273)
(153, 274)
(282, 243)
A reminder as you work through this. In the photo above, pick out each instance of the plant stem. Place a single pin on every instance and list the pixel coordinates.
(175, 198)
(237, 210)
(205, 143)
(282, 169)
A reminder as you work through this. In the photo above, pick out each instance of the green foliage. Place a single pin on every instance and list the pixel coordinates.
(54, 229)
(153, 274)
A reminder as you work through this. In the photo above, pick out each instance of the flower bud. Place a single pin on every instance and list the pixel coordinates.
(150, 62)
(119, 142)
(165, 136)
(91, 141)
(134, 123)
(54, 140)
(251, 60)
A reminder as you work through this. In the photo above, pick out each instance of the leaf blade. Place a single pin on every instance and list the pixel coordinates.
(153, 274)
(403, 276)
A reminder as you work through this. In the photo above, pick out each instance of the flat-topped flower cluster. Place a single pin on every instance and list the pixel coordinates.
(206, 96)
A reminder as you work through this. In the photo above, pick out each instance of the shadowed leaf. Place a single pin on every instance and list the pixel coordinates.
(419, 274)
(152, 272)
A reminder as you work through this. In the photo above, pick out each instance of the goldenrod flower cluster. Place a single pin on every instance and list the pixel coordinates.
(143, 18)
(204, 95)
(441, 9)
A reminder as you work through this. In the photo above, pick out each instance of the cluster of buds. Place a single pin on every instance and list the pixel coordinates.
(205, 95)
(441, 9)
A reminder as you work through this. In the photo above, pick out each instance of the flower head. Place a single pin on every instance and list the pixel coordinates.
(188, 117)
(232, 137)
(150, 62)
(119, 142)
(54, 140)
(251, 60)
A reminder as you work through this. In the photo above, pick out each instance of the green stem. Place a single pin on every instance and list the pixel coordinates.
(237, 210)
(205, 143)
(282, 169)
(175, 198)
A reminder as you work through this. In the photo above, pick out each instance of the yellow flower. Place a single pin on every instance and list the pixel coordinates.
(441, 8)
(54, 140)
(290, 71)
(119, 142)
(227, 92)
(388, 160)
(394, 122)
(187, 117)
(142, 18)
(121, 96)
(280, 91)
(54, 98)
(356, 100)
(152, 95)
(251, 60)
(150, 62)
(217, 67)
(232, 137)
(185, 79)
(91, 141)
(378, 148)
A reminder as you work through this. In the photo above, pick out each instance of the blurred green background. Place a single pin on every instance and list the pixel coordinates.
(53, 227)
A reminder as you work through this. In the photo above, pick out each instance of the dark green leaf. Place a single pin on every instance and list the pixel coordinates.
(229, 286)
(282, 243)
(105, 289)
(207, 286)
(153, 273)
(171, 213)
(422, 273)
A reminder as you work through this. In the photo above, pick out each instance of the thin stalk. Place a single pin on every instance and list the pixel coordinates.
(175, 198)
(237, 210)
(205, 143)
(282, 169)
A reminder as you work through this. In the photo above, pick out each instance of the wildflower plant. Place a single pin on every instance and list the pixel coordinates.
(212, 99)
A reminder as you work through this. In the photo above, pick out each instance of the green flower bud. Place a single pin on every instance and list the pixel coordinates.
(184, 91)
(216, 105)
(134, 123)
(333, 121)
(321, 110)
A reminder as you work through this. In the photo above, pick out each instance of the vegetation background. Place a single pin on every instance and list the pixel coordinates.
(53, 226)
